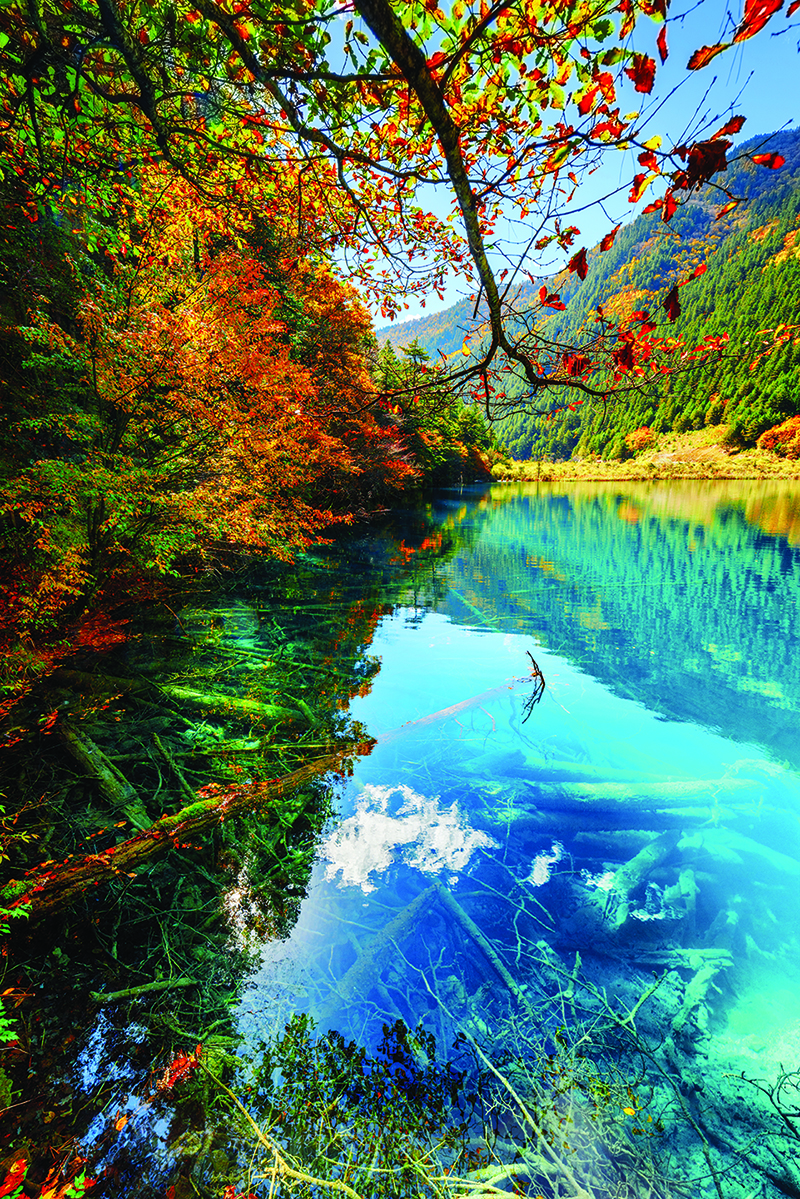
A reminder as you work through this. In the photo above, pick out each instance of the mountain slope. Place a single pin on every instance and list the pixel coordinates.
(752, 283)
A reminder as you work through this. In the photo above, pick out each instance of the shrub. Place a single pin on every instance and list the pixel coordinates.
(783, 439)
(640, 439)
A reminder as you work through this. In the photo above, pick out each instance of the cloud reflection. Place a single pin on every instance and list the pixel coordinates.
(394, 823)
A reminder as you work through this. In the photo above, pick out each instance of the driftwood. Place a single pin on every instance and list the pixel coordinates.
(469, 926)
(364, 973)
(112, 783)
(50, 887)
(165, 984)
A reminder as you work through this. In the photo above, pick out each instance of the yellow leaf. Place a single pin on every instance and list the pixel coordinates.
(629, 1111)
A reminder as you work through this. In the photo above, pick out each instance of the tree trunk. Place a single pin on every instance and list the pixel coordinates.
(48, 888)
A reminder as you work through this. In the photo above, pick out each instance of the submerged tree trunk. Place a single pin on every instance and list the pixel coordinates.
(48, 888)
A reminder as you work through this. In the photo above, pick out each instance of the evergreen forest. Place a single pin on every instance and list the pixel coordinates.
(749, 288)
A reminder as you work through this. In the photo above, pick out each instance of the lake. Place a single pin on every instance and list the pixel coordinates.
(557, 905)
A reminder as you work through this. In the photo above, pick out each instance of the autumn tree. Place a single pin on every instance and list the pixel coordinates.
(357, 121)
(167, 411)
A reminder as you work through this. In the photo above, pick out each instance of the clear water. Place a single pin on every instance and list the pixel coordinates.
(665, 622)
(600, 891)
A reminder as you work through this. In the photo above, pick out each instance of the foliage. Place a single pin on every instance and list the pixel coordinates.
(744, 302)
(783, 439)
(201, 394)
(640, 439)
(505, 113)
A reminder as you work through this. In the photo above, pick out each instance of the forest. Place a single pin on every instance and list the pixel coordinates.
(201, 205)
(748, 288)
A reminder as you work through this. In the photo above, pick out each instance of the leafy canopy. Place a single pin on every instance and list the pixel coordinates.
(344, 118)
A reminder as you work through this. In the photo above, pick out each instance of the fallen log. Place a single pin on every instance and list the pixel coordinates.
(364, 974)
(164, 984)
(110, 780)
(218, 701)
(652, 793)
(474, 701)
(469, 926)
(630, 876)
(54, 885)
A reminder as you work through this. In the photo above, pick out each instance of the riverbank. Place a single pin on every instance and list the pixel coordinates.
(699, 454)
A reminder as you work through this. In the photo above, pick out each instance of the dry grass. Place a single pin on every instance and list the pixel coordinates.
(695, 455)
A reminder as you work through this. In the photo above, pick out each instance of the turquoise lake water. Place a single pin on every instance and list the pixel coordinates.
(664, 619)
(587, 900)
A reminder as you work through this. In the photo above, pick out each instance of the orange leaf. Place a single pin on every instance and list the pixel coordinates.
(702, 57)
(773, 161)
(726, 208)
(610, 238)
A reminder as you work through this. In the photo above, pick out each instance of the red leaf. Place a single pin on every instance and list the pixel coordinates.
(578, 263)
(610, 238)
(734, 124)
(706, 159)
(14, 1176)
(756, 15)
(773, 161)
(700, 270)
(586, 101)
(642, 71)
(671, 304)
(792, 9)
(648, 160)
(670, 206)
(702, 57)
(639, 182)
(574, 364)
(661, 43)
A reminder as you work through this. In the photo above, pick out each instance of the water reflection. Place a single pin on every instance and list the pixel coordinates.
(643, 823)
(673, 595)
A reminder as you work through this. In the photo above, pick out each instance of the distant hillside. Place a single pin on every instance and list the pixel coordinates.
(752, 283)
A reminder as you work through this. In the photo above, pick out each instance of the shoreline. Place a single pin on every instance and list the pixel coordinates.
(748, 464)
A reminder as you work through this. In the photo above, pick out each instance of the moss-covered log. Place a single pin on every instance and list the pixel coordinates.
(111, 783)
(48, 888)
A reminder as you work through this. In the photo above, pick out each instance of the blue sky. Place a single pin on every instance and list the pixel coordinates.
(759, 79)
